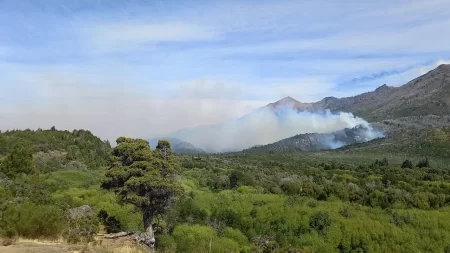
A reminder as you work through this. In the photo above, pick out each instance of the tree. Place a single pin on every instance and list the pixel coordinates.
(164, 149)
(407, 164)
(19, 160)
(423, 163)
(320, 222)
(141, 177)
(383, 162)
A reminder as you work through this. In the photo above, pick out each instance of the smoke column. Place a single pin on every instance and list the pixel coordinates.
(268, 125)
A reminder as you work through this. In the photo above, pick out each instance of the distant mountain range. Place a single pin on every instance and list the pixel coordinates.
(420, 104)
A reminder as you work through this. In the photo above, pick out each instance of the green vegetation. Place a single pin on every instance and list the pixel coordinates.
(54, 150)
(349, 200)
(143, 178)
(19, 160)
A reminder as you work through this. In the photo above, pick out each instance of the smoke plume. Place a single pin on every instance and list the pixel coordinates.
(268, 125)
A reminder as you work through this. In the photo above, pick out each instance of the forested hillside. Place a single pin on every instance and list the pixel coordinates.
(53, 149)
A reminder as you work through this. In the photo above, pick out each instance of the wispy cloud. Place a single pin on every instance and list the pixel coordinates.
(137, 35)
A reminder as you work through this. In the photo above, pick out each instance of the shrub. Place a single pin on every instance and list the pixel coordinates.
(423, 163)
(33, 221)
(198, 238)
(320, 222)
(235, 235)
(111, 224)
(447, 249)
(82, 225)
(407, 164)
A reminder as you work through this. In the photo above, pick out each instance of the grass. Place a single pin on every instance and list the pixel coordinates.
(59, 240)
(113, 249)
(100, 246)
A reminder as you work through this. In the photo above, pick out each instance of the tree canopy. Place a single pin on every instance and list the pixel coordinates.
(19, 160)
(142, 177)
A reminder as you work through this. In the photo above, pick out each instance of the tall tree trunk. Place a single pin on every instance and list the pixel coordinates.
(147, 218)
(148, 238)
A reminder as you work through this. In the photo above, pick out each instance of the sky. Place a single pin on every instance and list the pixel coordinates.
(147, 68)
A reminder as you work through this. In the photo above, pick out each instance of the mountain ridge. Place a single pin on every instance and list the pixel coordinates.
(428, 94)
(288, 101)
(318, 141)
(424, 95)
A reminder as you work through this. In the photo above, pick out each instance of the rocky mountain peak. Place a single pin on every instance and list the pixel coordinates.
(289, 101)
(383, 87)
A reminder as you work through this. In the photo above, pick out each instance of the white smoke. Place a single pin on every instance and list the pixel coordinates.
(268, 125)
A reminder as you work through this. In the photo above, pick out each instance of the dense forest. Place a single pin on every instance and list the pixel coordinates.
(354, 199)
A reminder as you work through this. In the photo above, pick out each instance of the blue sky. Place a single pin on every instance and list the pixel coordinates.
(151, 67)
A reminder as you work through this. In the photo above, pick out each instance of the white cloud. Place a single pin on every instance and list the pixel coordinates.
(425, 38)
(133, 35)
(354, 27)
(402, 78)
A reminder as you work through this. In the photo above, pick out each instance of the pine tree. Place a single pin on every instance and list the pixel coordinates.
(143, 178)
(423, 163)
(19, 160)
(407, 164)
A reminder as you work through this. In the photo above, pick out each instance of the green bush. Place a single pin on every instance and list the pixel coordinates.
(33, 221)
(235, 235)
(81, 229)
(112, 225)
(320, 222)
(198, 238)
(407, 164)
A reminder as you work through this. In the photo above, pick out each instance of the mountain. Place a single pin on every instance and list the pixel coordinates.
(405, 111)
(428, 94)
(178, 146)
(289, 102)
(407, 115)
(318, 141)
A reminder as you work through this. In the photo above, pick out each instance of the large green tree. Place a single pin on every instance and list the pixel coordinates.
(143, 177)
(19, 160)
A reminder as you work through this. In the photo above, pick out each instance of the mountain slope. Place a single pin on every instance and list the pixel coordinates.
(319, 141)
(427, 94)
(419, 104)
